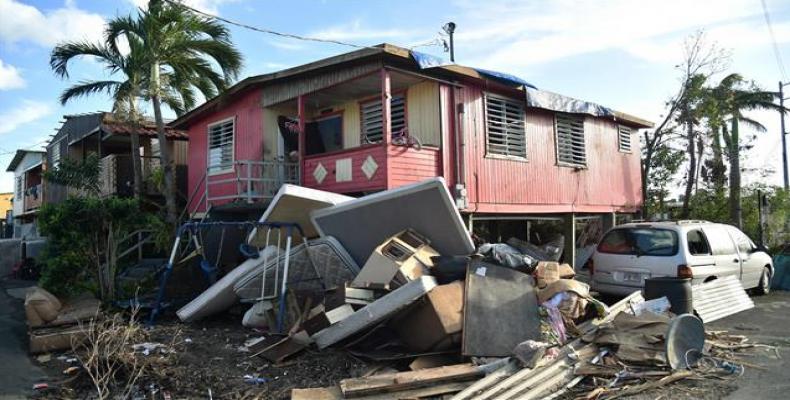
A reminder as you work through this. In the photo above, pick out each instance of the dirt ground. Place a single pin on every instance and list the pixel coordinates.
(209, 357)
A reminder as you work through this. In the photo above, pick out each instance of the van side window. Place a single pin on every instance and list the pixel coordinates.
(720, 241)
(698, 245)
(745, 244)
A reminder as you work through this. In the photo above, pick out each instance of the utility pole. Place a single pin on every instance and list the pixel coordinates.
(449, 28)
(783, 132)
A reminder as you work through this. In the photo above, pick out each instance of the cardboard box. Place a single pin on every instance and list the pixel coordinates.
(324, 319)
(434, 323)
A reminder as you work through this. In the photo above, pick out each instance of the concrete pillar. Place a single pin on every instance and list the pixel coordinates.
(569, 230)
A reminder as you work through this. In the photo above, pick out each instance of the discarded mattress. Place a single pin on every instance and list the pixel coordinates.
(294, 203)
(720, 298)
(333, 265)
(375, 312)
(426, 207)
(220, 296)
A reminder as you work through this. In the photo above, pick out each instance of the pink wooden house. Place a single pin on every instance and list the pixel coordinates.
(383, 117)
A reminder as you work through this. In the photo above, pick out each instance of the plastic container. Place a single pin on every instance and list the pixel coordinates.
(677, 291)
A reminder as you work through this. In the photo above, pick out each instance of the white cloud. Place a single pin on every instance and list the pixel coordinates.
(25, 23)
(209, 6)
(10, 78)
(28, 111)
(355, 31)
(520, 34)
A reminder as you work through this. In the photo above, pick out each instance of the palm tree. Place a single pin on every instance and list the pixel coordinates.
(180, 50)
(737, 96)
(125, 91)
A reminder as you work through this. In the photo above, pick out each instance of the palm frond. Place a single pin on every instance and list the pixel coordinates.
(64, 53)
(87, 88)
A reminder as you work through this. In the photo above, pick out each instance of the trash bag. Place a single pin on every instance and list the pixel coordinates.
(507, 256)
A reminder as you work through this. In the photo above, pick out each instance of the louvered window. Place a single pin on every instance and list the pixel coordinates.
(220, 146)
(624, 138)
(506, 131)
(55, 154)
(570, 140)
(19, 182)
(372, 117)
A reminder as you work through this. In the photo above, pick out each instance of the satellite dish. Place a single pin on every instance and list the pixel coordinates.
(684, 341)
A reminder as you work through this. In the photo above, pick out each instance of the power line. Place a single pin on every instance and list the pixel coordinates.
(778, 55)
(269, 31)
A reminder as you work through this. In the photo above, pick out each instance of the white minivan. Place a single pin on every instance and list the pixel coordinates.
(630, 253)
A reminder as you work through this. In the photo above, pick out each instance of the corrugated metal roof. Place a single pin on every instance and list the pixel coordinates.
(149, 130)
(720, 298)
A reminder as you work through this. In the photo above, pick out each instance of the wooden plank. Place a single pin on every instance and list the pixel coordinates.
(358, 387)
(334, 393)
(500, 310)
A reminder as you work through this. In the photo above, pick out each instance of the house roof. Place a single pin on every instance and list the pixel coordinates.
(77, 127)
(20, 154)
(425, 64)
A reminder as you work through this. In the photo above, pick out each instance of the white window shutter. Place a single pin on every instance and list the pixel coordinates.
(506, 131)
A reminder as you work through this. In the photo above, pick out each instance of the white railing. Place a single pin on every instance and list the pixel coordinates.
(248, 181)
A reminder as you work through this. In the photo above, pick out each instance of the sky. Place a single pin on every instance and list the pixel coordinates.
(619, 53)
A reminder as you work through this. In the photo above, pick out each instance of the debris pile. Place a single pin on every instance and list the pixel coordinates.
(394, 279)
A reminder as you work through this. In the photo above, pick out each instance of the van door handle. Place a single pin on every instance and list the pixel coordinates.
(736, 260)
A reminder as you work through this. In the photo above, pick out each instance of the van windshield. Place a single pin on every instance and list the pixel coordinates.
(640, 242)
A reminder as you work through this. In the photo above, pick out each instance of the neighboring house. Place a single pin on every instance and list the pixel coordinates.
(6, 214)
(102, 134)
(350, 123)
(29, 190)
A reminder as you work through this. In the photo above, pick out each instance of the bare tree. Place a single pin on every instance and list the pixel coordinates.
(701, 59)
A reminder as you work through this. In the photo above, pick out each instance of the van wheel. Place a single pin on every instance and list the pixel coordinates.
(765, 283)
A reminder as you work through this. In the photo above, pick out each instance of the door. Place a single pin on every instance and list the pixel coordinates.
(725, 254)
(700, 256)
(751, 266)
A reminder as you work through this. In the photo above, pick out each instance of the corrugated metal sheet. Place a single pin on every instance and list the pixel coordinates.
(610, 182)
(359, 182)
(290, 89)
(409, 165)
(720, 298)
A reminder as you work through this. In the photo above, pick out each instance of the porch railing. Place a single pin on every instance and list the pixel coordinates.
(248, 181)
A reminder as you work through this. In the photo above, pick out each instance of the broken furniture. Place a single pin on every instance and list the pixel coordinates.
(500, 310)
(321, 262)
(54, 325)
(427, 207)
(401, 258)
(294, 203)
(435, 321)
(375, 312)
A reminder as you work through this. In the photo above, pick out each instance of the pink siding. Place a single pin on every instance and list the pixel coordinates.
(359, 181)
(248, 142)
(611, 181)
(409, 165)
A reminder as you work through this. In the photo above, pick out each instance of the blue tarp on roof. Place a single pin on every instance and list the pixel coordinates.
(505, 77)
(425, 60)
(535, 98)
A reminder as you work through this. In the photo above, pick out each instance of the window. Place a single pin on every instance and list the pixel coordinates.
(640, 242)
(324, 134)
(220, 145)
(745, 245)
(698, 245)
(719, 240)
(55, 154)
(624, 138)
(570, 140)
(371, 116)
(506, 133)
(19, 184)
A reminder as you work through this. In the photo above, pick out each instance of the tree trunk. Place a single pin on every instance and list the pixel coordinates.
(645, 176)
(137, 165)
(718, 170)
(735, 176)
(164, 151)
(692, 168)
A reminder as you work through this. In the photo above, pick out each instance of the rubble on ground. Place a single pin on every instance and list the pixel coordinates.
(387, 298)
